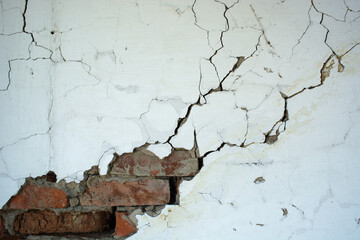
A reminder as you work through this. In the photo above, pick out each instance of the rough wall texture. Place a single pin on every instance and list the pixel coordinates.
(261, 96)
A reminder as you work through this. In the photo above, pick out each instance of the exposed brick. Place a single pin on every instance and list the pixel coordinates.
(34, 196)
(3, 230)
(144, 163)
(46, 221)
(102, 193)
(124, 226)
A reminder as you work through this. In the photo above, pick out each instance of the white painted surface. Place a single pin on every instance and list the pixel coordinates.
(104, 78)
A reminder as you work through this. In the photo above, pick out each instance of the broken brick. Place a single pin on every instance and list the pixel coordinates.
(103, 193)
(46, 221)
(144, 163)
(124, 226)
(34, 196)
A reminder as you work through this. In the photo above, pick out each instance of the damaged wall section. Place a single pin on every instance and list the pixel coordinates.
(136, 183)
(262, 93)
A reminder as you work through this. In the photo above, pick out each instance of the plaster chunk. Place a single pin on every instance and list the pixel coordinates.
(160, 121)
(212, 128)
(209, 79)
(185, 136)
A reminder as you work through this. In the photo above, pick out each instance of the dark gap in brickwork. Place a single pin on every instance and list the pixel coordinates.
(112, 221)
(173, 182)
(200, 163)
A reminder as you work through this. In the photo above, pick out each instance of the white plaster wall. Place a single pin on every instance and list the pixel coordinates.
(83, 79)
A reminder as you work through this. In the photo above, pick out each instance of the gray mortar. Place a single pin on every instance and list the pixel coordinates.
(9, 218)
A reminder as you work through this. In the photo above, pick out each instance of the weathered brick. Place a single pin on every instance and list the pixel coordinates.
(34, 196)
(46, 221)
(102, 193)
(124, 226)
(144, 163)
(3, 230)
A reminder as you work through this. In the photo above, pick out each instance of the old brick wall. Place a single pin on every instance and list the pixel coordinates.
(104, 205)
(268, 90)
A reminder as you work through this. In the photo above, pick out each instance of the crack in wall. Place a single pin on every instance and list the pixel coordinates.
(270, 137)
(261, 27)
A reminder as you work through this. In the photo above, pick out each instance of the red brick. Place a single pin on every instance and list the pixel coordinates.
(102, 193)
(144, 163)
(3, 230)
(46, 221)
(34, 196)
(124, 226)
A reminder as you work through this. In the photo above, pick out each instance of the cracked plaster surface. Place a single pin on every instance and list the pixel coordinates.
(267, 88)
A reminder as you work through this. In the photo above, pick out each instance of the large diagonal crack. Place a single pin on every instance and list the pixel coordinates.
(324, 74)
(270, 137)
(240, 60)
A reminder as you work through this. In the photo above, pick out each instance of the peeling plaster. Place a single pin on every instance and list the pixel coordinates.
(257, 94)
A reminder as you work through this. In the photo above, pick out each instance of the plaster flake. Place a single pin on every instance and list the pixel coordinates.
(208, 76)
(261, 98)
(184, 137)
(160, 121)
